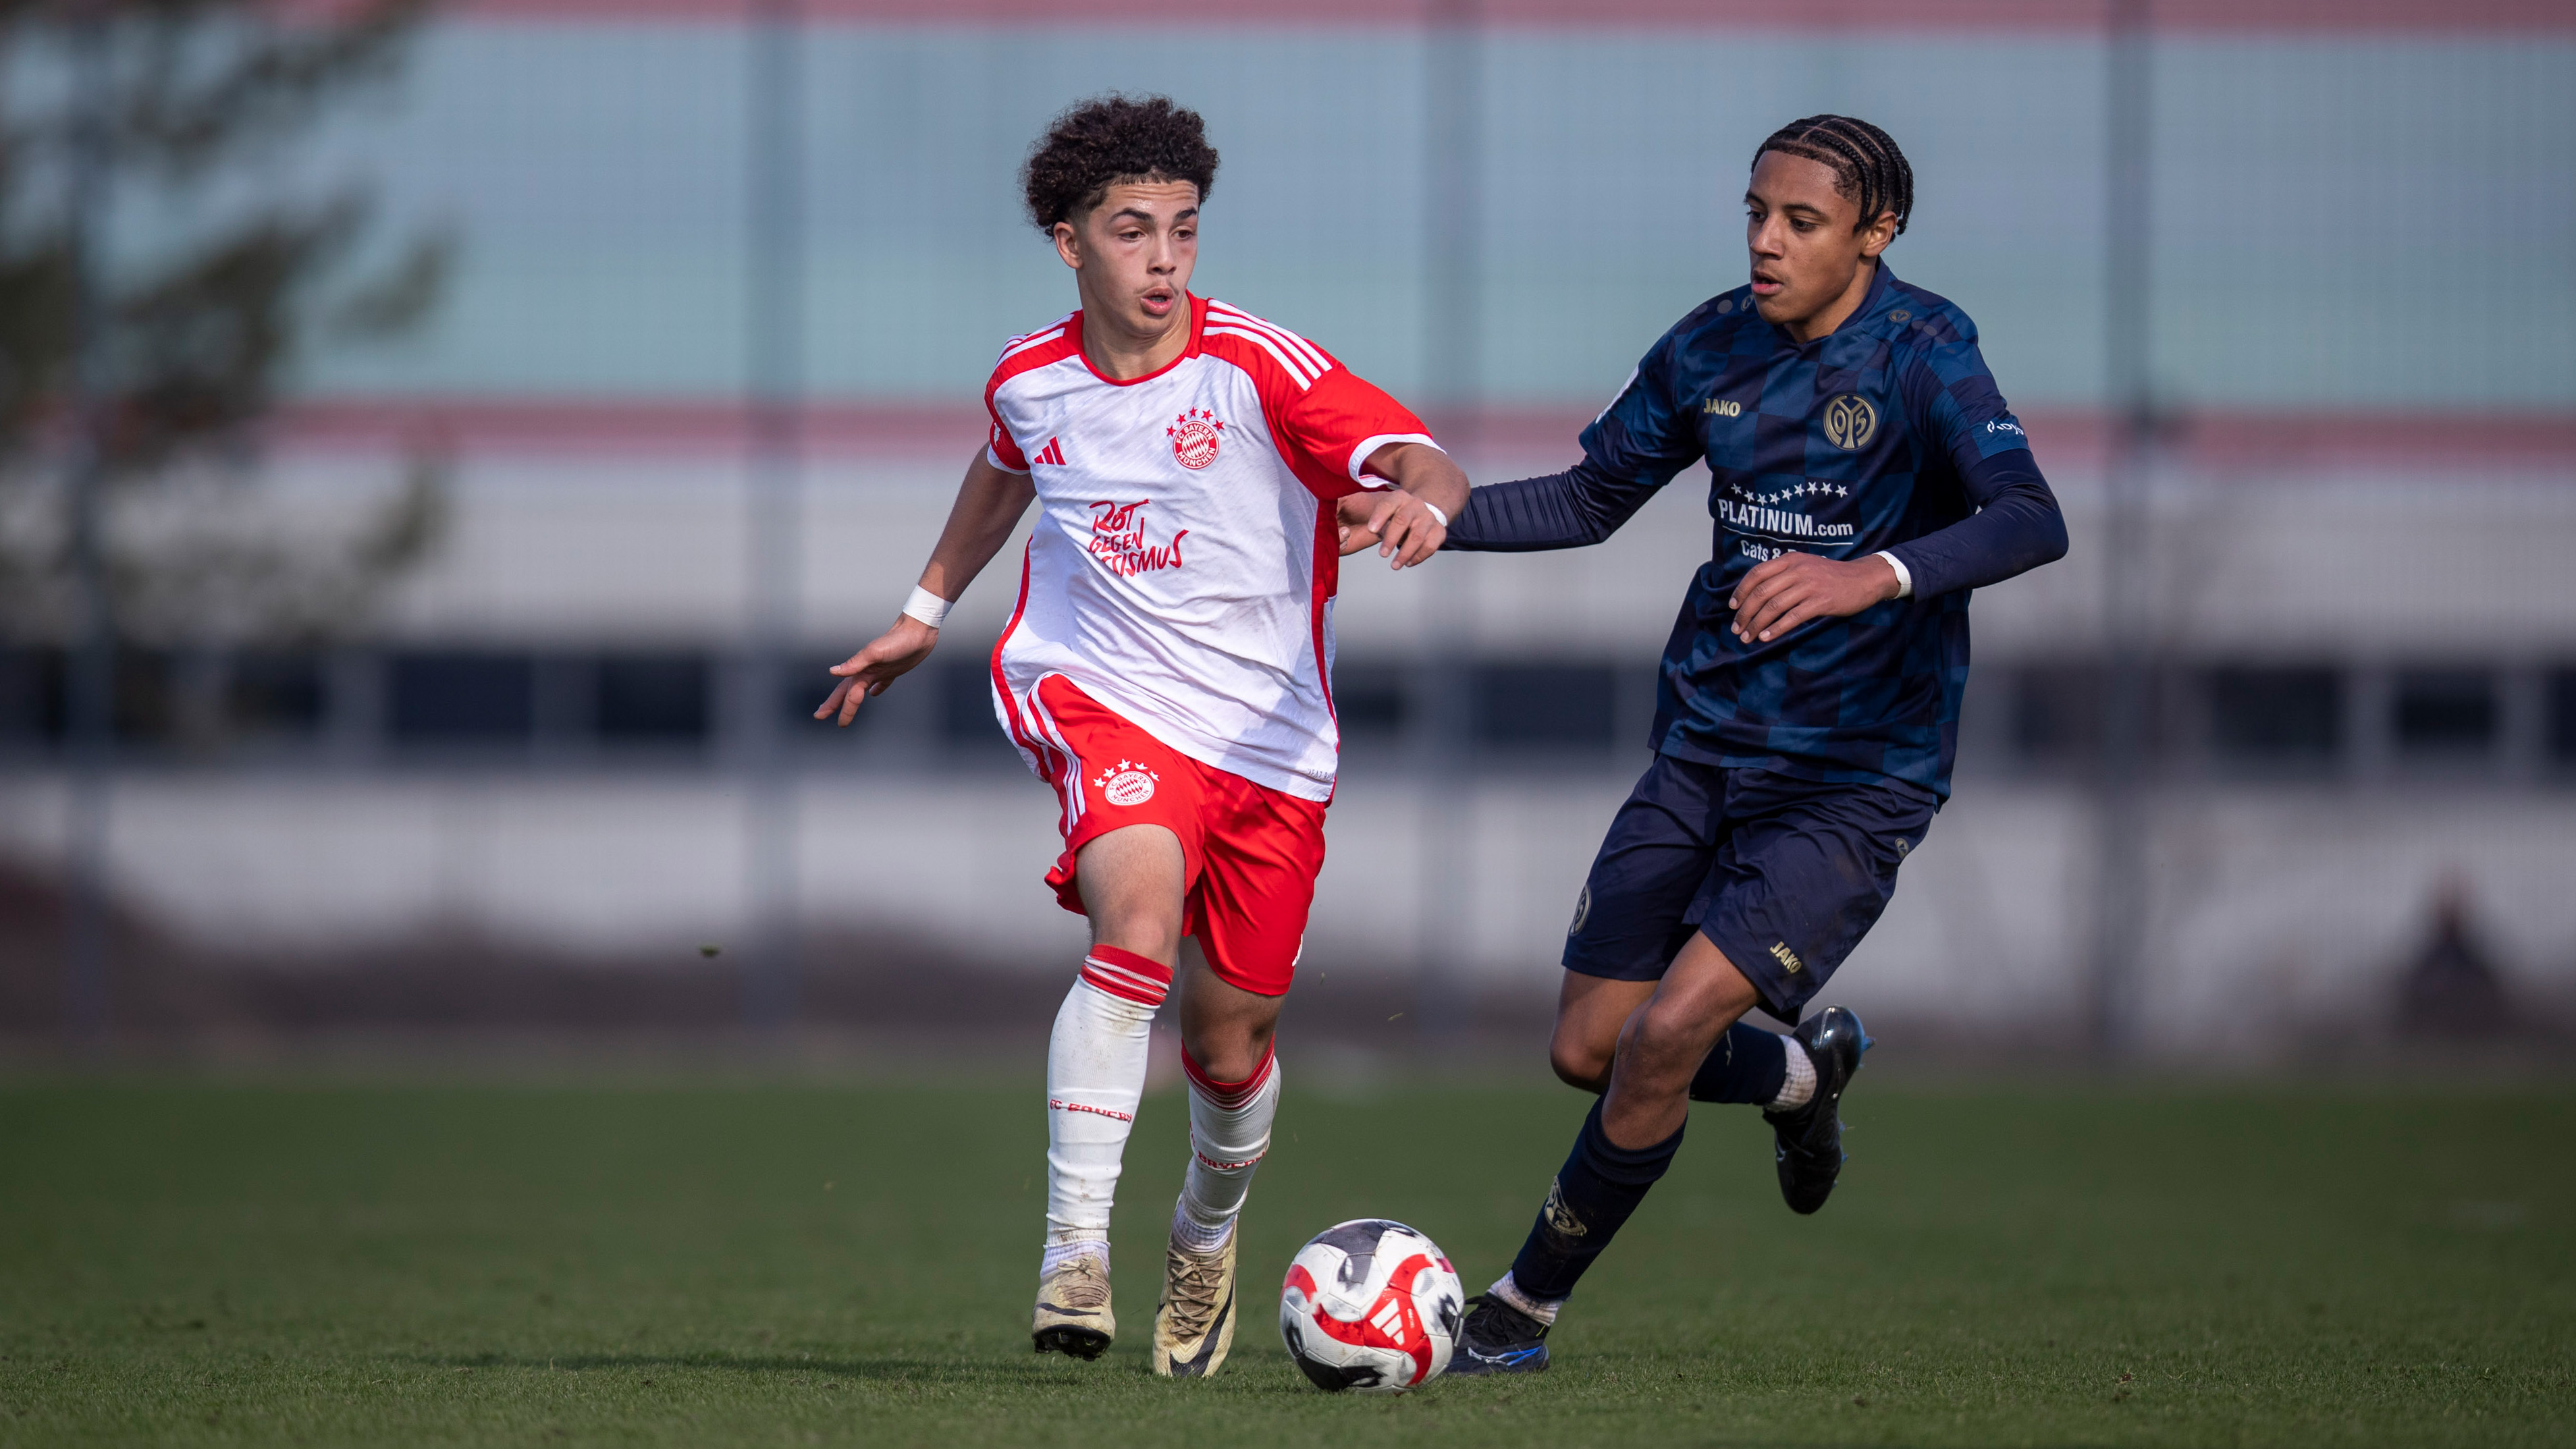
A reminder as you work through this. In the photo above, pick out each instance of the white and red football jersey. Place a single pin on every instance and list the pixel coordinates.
(1183, 567)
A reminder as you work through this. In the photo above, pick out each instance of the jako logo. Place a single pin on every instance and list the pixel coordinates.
(1723, 407)
(1787, 957)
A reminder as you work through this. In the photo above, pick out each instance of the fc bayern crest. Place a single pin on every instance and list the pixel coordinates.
(1126, 784)
(1195, 436)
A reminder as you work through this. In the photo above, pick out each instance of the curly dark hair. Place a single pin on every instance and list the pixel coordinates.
(1098, 143)
(1867, 166)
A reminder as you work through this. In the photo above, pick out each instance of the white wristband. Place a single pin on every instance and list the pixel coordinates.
(926, 606)
(1904, 580)
(1434, 510)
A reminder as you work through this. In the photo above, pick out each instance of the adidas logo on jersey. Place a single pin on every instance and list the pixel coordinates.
(1053, 452)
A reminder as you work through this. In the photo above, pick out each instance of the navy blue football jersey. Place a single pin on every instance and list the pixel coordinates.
(1885, 432)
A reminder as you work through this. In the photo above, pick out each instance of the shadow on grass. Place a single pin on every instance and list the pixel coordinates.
(1035, 1371)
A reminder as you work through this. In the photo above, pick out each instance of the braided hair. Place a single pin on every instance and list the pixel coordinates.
(1867, 166)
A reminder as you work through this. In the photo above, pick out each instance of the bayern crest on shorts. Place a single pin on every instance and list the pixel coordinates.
(1126, 784)
(1196, 435)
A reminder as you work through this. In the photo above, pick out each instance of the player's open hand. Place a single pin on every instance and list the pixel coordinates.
(1352, 514)
(1785, 592)
(865, 675)
(1405, 530)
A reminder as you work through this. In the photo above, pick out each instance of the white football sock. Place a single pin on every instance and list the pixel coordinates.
(1229, 1133)
(1095, 1075)
(1542, 1309)
(1800, 1088)
(1059, 1254)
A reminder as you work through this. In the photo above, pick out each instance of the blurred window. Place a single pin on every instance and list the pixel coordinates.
(1369, 700)
(967, 725)
(275, 694)
(31, 695)
(146, 694)
(2276, 714)
(808, 682)
(653, 699)
(35, 694)
(2446, 712)
(2057, 712)
(2562, 716)
(1564, 705)
(966, 703)
(461, 698)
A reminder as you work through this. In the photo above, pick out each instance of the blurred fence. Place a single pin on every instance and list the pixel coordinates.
(2284, 291)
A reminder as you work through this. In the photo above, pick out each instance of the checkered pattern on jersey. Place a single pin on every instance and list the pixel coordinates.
(1841, 446)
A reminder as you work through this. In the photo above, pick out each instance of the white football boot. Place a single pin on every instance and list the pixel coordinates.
(1073, 1314)
(1194, 1324)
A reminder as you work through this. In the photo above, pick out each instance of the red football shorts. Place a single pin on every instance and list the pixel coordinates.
(1249, 854)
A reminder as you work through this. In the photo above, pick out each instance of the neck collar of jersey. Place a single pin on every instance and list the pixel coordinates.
(1871, 302)
(1198, 334)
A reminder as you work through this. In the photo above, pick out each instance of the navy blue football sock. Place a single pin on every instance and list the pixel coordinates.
(1599, 1186)
(1748, 1065)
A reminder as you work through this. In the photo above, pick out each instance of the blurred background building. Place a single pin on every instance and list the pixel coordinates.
(2283, 289)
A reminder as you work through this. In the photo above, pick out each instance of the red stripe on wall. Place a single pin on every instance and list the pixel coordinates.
(621, 426)
(1812, 16)
(2232, 439)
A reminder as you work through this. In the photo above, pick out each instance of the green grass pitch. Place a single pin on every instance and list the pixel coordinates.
(708, 1263)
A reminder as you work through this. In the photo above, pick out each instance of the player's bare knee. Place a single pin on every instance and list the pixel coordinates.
(1664, 1039)
(1145, 930)
(1579, 1063)
(1228, 1051)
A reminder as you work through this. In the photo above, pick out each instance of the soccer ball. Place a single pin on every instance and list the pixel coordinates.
(1371, 1306)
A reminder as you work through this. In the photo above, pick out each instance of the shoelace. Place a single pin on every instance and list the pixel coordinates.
(1082, 1289)
(1194, 1293)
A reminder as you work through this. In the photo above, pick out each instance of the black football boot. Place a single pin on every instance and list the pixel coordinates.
(1498, 1339)
(1810, 1138)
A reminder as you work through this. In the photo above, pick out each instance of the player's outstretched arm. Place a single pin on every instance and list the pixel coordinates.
(989, 505)
(1403, 529)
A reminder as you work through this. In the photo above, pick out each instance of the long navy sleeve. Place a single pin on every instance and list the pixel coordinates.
(1886, 435)
(1582, 505)
(2016, 529)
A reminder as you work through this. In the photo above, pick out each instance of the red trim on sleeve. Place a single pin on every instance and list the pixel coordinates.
(1317, 409)
(1049, 344)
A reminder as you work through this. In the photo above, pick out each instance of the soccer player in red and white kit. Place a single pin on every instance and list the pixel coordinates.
(1168, 670)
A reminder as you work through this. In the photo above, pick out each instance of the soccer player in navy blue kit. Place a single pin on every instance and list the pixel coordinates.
(1865, 474)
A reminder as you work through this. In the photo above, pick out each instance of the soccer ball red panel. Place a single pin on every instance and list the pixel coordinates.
(1370, 1306)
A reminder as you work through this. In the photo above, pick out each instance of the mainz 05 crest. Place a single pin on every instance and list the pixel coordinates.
(1849, 422)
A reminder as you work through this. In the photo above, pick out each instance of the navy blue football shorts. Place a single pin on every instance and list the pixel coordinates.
(1783, 875)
